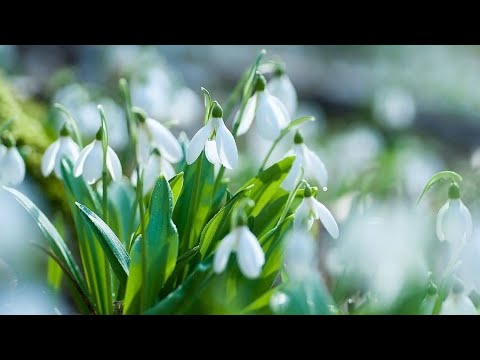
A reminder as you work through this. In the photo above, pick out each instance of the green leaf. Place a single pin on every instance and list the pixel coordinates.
(54, 270)
(94, 262)
(55, 241)
(267, 183)
(6, 124)
(116, 254)
(123, 211)
(219, 225)
(161, 249)
(442, 175)
(176, 184)
(304, 297)
(297, 122)
(207, 98)
(180, 300)
(184, 210)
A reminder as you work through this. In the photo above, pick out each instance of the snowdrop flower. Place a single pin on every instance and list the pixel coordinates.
(454, 222)
(310, 210)
(63, 147)
(313, 168)
(457, 302)
(250, 255)
(156, 165)
(216, 139)
(90, 161)
(282, 88)
(12, 166)
(271, 115)
(152, 134)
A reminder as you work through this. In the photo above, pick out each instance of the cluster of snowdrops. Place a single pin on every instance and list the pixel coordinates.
(173, 238)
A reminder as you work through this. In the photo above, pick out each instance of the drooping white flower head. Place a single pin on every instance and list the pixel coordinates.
(152, 134)
(282, 88)
(457, 302)
(271, 114)
(314, 169)
(250, 256)
(12, 166)
(156, 166)
(454, 222)
(216, 139)
(63, 147)
(90, 162)
(300, 257)
(310, 210)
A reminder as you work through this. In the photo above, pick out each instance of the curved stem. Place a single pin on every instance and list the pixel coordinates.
(193, 203)
(141, 206)
(71, 121)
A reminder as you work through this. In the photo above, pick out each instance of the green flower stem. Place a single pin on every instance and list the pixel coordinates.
(71, 121)
(193, 203)
(270, 151)
(141, 206)
(290, 199)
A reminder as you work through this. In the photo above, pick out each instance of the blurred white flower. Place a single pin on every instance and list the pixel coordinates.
(300, 254)
(90, 163)
(311, 209)
(395, 107)
(384, 248)
(186, 107)
(313, 168)
(152, 134)
(271, 115)
(12, 166)
(216, 139)
(454, 222)
(281, 87)
(250, 255)
(156, 165)
(458, 304)
(63, 147)
(152, 90)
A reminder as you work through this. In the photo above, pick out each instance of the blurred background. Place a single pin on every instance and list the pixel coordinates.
(388, 117)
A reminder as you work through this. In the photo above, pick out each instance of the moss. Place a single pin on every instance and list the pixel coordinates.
(32, 138)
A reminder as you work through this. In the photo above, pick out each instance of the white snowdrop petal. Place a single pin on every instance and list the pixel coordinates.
(13, 166)
(458, 304)
(113, 165)
(211, 152)
(248, 115)
(222, 254)
(282, 88)
(314, 167)
(80, 163)
(167, 169)
(226, 146)
(267, 121)
(467, 218)
(249, 253)
(92, 168)
(68, 149)
(290, 181)
(143, 145)
(326, 218)
(302, 214)
(49, 158)
(151, 173)
(196, 145)
(165, 141)
(277, 105)
(440, 219)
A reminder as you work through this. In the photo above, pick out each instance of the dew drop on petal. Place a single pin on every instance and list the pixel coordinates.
(324, 188)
